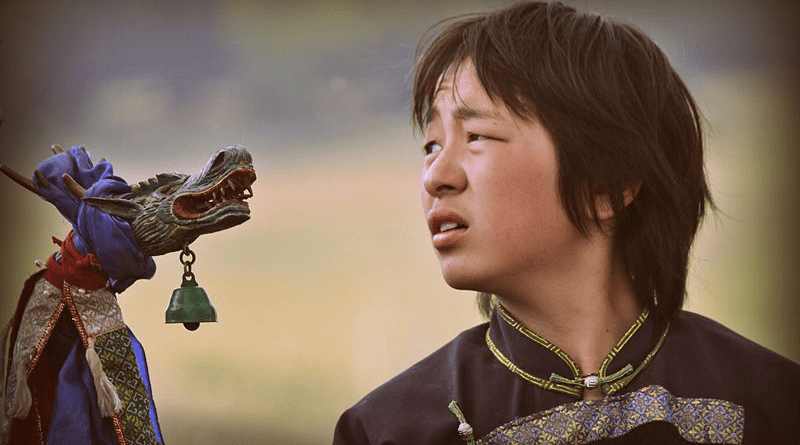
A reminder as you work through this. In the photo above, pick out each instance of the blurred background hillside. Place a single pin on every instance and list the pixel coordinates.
(332, 287)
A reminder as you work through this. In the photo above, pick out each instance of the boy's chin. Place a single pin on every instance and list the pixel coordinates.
(462, 279)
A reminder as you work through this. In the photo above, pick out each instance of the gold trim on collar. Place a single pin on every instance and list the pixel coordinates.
(613, 387)
(542, 383)
(564, 385)
(623, 341)
(538, 339)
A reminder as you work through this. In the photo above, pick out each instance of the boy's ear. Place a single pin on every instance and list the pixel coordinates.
(602, 203)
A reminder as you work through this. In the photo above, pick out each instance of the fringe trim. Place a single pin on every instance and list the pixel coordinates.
(22, 393)
(107, 397)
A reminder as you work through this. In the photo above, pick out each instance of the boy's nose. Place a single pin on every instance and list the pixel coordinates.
(445, 174)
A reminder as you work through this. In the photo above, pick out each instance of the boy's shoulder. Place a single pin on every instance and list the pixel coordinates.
(702, 358)
(435, 373)
(419, 395)
(704, 337)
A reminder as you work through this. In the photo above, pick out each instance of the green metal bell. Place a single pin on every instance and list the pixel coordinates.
(190, 304)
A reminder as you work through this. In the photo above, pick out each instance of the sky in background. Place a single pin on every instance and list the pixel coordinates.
(332, 287)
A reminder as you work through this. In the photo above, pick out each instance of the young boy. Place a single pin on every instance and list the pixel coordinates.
(564, 181)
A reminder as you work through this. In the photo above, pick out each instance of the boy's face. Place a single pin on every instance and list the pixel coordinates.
(490, 192)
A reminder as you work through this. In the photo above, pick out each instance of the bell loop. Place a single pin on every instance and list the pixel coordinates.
(187, 263)
(188, 252)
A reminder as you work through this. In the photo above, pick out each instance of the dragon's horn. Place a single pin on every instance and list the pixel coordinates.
(123, 208)
(72, 185)
(56, 149)
(18, 178)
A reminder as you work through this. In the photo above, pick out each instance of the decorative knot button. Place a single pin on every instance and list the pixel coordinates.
(591, 381)
(465, 431)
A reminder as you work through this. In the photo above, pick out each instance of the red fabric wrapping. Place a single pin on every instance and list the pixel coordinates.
(74, 268)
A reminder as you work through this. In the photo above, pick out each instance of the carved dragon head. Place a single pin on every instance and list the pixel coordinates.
(171, 210)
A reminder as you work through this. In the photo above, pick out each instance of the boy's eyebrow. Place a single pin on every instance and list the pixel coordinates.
(463, 114)
(466, 113)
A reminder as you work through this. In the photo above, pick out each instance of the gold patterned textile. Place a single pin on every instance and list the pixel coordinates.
(98, 310)
(698, 420)
(37, 322)
(119, 363)
(97, 316)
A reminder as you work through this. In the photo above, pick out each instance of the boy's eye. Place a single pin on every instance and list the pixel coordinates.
(477, 137)
(430, 147)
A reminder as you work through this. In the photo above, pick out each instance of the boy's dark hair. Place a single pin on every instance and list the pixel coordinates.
(620, 117)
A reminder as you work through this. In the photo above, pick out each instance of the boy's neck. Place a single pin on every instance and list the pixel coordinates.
(584, 311)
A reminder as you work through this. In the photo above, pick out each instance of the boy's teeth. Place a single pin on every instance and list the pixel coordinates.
(447, 226)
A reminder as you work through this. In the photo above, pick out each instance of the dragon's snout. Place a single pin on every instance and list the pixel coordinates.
(231, 190)
(177, 208)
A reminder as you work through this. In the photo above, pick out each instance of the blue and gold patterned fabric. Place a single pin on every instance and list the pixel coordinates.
(689, 381)
(694, 420)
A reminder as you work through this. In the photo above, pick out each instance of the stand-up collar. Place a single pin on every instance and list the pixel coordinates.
(544, 364)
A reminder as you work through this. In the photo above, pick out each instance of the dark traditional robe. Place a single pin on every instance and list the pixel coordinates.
(687, 381)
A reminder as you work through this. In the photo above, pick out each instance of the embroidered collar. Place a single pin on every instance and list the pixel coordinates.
(545, 365)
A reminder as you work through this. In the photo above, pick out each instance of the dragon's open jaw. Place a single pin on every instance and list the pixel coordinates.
(230, 191)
